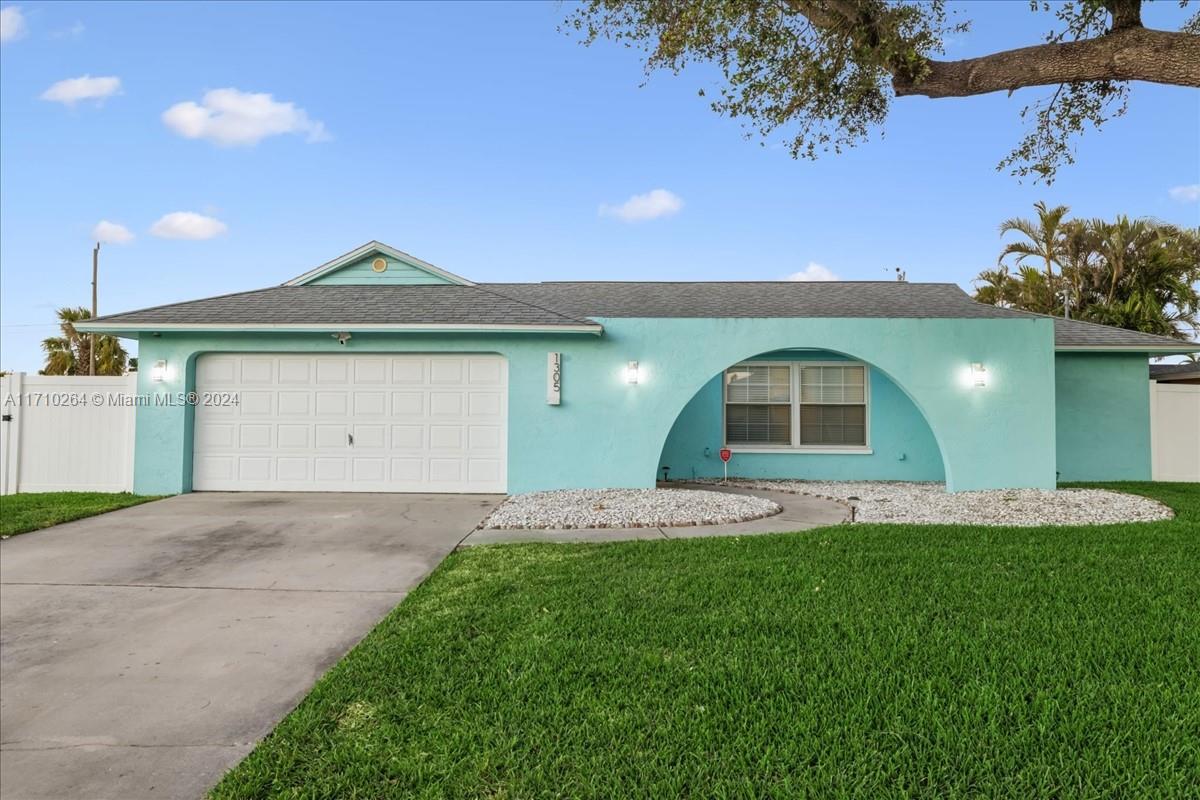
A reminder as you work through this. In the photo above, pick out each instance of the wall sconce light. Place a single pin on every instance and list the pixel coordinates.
(631, 373)
(158, 373)
(978, 374)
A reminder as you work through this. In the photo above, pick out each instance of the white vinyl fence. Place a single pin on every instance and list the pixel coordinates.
(1175, 431)
(65, 433)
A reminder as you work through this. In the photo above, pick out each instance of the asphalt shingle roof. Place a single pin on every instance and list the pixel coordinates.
(1177, 371)
(578, 302)
(752, 299)
(316, 304)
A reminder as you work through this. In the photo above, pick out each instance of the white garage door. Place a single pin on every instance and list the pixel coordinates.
(351, 423)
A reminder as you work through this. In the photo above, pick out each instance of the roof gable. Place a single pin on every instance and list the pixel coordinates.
(376, 263)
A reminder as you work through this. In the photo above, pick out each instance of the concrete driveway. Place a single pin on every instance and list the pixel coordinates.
(145, 651)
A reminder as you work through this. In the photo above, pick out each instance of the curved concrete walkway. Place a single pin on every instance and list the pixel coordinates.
(800, 512)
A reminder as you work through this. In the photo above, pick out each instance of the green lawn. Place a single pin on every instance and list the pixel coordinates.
(864, 661)
(20, 513)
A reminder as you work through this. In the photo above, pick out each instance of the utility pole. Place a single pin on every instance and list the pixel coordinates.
(92, 339)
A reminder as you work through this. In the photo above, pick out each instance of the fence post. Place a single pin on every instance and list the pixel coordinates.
(10, 471)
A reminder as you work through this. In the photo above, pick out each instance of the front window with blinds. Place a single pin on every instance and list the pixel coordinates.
(833, 405)
(758, 404)
(797, 405)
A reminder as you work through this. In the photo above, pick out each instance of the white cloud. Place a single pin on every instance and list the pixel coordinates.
(1188, 193)
(814, 272)
(641, 207)
(111, 232)
(230, 117)
(72, 90)
(12, 24)
(188, 225)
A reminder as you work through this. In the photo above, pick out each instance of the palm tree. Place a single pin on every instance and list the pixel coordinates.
(1122, 244)
(1132, 273)
(70, 353)
(1077, 258)
(1044, 235)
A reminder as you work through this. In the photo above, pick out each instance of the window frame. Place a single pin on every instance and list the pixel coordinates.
(794, 383)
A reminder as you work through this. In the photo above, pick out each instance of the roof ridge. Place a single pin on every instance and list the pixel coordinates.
(710, 283)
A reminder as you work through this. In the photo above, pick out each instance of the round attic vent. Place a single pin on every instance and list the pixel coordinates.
(379, 264)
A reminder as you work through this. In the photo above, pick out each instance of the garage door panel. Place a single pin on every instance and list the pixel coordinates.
(292, 469)
(408, 437)
(446, 370)
(257, 370)
(216, 435)
(335, 436)
(255, 436)
(256, 403)
(407, 370)
(330, 470)
(331, 404)
(353, 423)
(370, 403)
(295, 403)
(483, 470)
(484, 404)
(485, 372)
(295, 370)
(293, 436)
(254, 468)
(373, 436)
(406, 404)
(445, 404)
(333, 370)
(215, 468)
(370, 370)
(217, 370)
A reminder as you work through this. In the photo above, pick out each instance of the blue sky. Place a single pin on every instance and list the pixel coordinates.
(478, 137)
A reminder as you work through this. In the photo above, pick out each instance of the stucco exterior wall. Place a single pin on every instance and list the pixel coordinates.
(1103, 416)
(607, 433)
(902, 447)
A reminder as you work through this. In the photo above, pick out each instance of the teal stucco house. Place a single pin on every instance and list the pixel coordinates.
(379, 372)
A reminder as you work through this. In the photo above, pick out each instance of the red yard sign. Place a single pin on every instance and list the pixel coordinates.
(726, 454)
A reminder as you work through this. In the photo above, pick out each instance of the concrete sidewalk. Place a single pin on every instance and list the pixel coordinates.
(800, 512)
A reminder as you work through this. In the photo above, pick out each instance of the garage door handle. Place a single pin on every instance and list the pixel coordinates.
(350, 439)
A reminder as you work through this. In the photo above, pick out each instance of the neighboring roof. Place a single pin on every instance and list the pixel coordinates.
(1174, 372)
(439, 307)
(574, 305)
(371, 248)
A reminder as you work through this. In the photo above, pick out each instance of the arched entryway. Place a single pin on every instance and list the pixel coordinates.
(803, 413)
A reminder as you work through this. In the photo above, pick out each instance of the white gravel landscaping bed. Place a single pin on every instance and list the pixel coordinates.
(625, 508)
(930, 503)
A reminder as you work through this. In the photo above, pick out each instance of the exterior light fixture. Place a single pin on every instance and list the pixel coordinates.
(158, 373)
(978, 374)
(631, 373)
(852, 501)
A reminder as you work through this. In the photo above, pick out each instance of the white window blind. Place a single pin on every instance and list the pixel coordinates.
(833, 405)
(758, 404)
(800, 404)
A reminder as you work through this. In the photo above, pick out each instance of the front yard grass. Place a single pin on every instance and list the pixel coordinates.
(851, 661)
(21, 513)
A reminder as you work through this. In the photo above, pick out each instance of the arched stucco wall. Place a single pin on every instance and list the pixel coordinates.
(1001, 435)
(901, 445)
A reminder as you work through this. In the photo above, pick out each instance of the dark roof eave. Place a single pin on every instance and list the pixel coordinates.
(119, 328)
